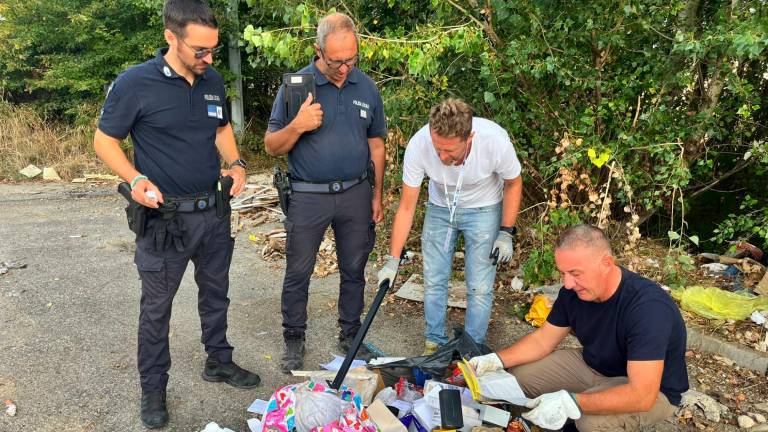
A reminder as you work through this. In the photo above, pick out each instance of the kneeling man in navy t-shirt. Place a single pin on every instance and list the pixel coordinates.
(630, 371)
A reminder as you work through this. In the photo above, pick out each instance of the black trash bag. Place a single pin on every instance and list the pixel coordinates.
(461, 346)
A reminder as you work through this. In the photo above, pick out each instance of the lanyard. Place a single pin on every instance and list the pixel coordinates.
(453, 204)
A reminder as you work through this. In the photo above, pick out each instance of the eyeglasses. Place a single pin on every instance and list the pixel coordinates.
(202, 52)
(336, 64)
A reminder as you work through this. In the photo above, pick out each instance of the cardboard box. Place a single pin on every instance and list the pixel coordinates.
(384, 419)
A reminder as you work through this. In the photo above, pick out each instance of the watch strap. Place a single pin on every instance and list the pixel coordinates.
(510, 230)
(238, 162)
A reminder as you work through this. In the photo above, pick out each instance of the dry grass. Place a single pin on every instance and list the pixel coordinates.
(27, 138)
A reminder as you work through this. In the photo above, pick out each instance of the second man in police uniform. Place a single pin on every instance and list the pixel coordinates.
(173, 106)
(330, 144)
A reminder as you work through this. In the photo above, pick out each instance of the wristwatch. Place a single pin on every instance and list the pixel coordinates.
(510, 230)
(238, 162)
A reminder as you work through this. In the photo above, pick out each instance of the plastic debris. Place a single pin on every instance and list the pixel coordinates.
(550, 291)
(10, 408)
(540, 309)
(758, 318)
(516, 284)
(214, 427)
(715, 268)
(254, 425)
(5, 266)
(286, 408)
(258, 406)
(360, 381)
(461, 346)
(711, 302)
(335, 364)
(31, 171)
(374, 349)
(712, 409)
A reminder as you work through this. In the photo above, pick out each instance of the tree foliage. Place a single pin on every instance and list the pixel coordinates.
(620, 110)
(61, 53)
(629, 111)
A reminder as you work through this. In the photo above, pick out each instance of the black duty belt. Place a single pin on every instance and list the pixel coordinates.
(192, 204)
(333, 187)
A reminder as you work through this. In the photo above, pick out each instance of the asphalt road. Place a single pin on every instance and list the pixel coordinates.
(68, 321)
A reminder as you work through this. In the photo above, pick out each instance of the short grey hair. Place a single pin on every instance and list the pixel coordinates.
(583, 235)
(331, 24)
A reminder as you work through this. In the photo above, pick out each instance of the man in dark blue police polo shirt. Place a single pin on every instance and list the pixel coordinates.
(330, 144)
(631, 370)
(174, 108)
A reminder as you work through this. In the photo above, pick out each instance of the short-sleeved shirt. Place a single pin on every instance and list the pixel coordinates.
(338, 149)
(639, 322)
(172, 124)
(492, 159)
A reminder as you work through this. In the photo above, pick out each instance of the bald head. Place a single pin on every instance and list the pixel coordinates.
(331, 24)
(584, 236)
(586, 264)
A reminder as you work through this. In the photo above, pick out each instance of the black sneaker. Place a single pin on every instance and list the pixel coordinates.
(363, 353)
(229, 373)
(154, 414)
(293, 355)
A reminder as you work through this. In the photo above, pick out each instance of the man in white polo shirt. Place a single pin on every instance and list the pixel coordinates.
(475, 188)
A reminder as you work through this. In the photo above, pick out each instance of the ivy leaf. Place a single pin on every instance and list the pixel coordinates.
(598, 161)
(673, 235)
(488, 97)
(416, 62)
(694, 240)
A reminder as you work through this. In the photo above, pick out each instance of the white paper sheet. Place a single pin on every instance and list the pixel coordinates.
(259, 406)
(335, 364)
(254, 424)
(384, 360)
(501, 385)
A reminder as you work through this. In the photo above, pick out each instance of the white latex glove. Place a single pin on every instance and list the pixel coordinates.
(551, 410)
(486, 363)
(389, 270)
(505, 247)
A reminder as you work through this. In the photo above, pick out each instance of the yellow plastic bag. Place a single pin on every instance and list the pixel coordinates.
(711, 302)
(539, 310)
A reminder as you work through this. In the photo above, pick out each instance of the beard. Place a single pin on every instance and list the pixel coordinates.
(197, 67)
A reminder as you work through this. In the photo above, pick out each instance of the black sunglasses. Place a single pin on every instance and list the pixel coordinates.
(202, 52)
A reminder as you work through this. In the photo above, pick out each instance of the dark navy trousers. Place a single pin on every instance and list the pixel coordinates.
(309, 215)
(208, 244)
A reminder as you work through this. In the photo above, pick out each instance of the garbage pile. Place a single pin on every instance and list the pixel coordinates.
(740, 297)
(258, 205)
(741, 270)
(418, 394)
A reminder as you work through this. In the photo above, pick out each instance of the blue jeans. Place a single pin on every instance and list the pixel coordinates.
(479, 226)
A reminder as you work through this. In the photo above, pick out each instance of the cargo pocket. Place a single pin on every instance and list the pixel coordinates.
(148, 261)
